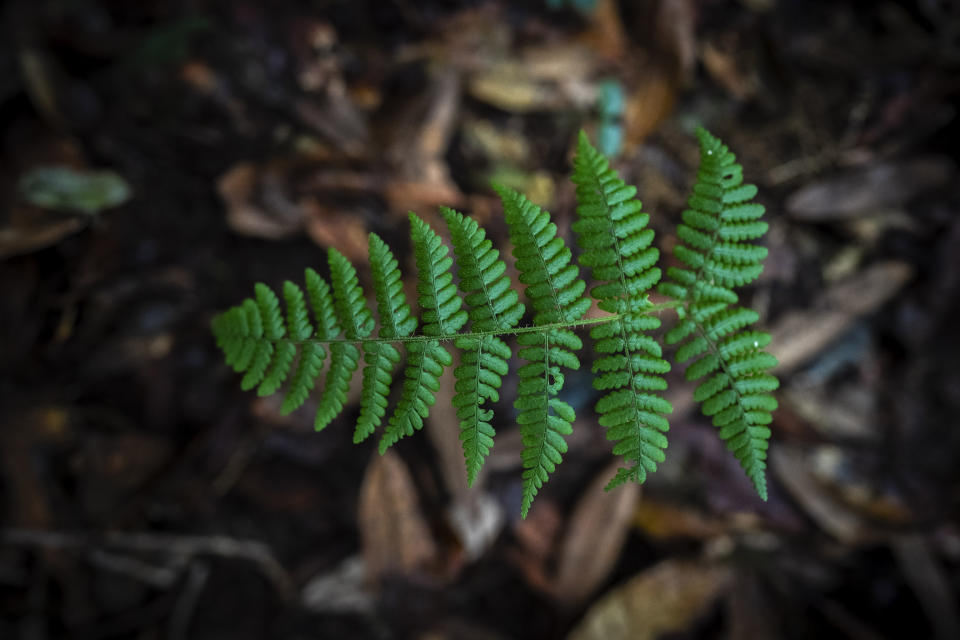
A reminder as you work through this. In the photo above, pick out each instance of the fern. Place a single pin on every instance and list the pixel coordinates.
(737, 392)
(494, 306)
(612, 229)
(617, 251)
(555, 291)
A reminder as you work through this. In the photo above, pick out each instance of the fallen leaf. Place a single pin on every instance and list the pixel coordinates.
(668, 597)
(725, 68)
(792, 467)
(330, 227)
(246, 192)
(800, 335)
(63, 188)
(394, 534)
(650, 100)
(750, 611)
(509, 87)
(594, 538)
(30, 230)
(663, 521)
(880, 186)
(606, 34)
(339, 591)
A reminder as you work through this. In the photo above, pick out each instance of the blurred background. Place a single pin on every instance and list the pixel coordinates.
(159, 158)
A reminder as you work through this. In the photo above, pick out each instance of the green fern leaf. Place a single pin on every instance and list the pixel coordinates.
(442, 316)
(352, 314)
(717, 252)
(381, 357)
(494, 306)
(555, 292)
(728, 360)
(612, 230)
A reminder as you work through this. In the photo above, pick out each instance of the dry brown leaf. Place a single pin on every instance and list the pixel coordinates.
(344, 230)
(393, 531)
(606, 34)
(650, 101)
(418, 151)
(443, 429)
(594, 538)
(792, 467)
(506, 86)
(881, 186)
(246, 191)
(750, 611)
(724, 67)
(803, 334)
(668, 597)
(676, 35)
(664, 521)
(31, 229)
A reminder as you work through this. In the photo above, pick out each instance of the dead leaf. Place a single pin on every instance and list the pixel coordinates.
(724, 67)
(393, 531)
(880, 186)
(750, 611)
(668, 597)
(248, 190)
(30, 229)
(418, 151)
(651, 99)
(594, 538)
(800, 335)
(329, 227)
(508, 86)
(792, 467)
(664, 521)
(676, 35)
(606, 34)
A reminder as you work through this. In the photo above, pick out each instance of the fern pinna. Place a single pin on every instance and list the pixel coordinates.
(481, 310)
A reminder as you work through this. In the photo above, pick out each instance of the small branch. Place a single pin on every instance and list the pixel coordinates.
(185, 547)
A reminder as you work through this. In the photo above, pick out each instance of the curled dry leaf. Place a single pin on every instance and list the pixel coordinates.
(666, 598)
(594, 538)
(246, 194)
(394, 533)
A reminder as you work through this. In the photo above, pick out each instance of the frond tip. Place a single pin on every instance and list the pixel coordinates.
(285, 340)
(735, 392)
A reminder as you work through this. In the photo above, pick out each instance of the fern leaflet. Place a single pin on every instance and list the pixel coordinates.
(736, 391)
(612, 230)
(554, 289)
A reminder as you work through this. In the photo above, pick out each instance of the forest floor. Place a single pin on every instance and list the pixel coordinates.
(218, 144)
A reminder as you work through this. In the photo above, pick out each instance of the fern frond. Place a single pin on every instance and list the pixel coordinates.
(717, 252)
(555, 291)
(493, 306)
(612, 231)
(381, 357)
(442, 316)
(735, 391)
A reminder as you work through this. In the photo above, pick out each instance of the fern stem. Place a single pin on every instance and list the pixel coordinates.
(585, 322)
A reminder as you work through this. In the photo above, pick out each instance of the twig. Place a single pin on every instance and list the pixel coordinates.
(185, 547)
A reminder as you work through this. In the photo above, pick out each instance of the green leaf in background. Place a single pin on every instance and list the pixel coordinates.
(77, 190)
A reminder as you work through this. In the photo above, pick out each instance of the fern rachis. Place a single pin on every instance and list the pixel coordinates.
(617, 252)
